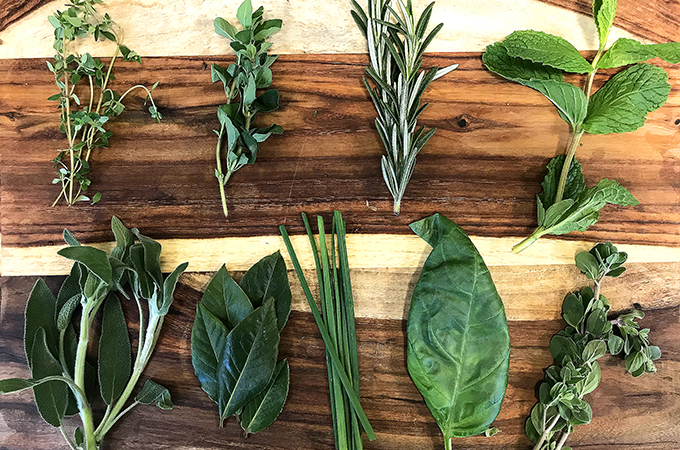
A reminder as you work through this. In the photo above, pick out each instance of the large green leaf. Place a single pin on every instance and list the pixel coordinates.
(570, 101)
(208, 340)
(622, 104)
(224, 28)
(497, 60)
(40, 313)
(225, 299)
(458, 343)
(629, 51)
(115, 357)
(268, 278)
(248, 360)
(547, 49)
(96, 261)
(244, 14)
(50, 397)
(264, 408)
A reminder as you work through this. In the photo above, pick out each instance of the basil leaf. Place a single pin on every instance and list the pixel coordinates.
(603, 14)
(248, 360)
(226, 300)
(114, 358)
(629, 51)
(546, 49)
(268, 278)
(50, 397)
(208, 340)
(264, 408)
(458, 343)
(154, 392)
(622, 104)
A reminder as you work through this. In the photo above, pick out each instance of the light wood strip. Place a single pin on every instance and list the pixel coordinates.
(183, 27)
(366, 251)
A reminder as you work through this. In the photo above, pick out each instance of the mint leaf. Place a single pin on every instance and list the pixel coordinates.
(622, 104)
(570, 101)
(585, 211)
(603, 14)
(629, 51)
(497, 60)
(575, 184)
(546, 49)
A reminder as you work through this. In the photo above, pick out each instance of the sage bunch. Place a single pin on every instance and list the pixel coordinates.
(83, 120)
(576, 349)
(237, 139)
(538, 60)
(57, 338)
(396, 43)
(337, 327)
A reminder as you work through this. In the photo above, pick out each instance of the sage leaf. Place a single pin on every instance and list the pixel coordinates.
(458, 346)
(629, 51)
(226, 300)
(10, 385)
(248, 360)
(95, 260)
(40, 314)
(70, 239)
(268, 278)
(124, 239)
(154, 392)
(152, 257)
(66, 312)
(546, 49)
(51, 397)
(264, 408)
(114, 359)
(622, 104)
(497, 60)
(225, 29)
(244, 14)
(208, 340)
(603, 15)
(169, 286)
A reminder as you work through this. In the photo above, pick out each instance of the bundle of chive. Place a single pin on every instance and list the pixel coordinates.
(336, 324)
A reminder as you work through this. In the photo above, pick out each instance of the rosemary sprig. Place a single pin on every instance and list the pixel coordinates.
(396, 43)
(84, 127)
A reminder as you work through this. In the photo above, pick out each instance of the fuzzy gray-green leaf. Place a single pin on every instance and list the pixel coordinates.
(40, 313)
(96, 261)
(154, 392)
(114, 359)
(50, 397)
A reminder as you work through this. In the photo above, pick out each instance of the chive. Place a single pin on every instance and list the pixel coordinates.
(337, 329)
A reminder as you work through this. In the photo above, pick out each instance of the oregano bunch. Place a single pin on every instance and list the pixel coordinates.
(396, 43)
(538, 60)
(58, 335)
(238, 140)
(83, 118)
(576, 349)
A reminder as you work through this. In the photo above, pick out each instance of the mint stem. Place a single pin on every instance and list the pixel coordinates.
(575, 139)
(526, 242)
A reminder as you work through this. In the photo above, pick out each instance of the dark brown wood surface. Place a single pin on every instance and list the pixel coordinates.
(639, 413)
(482, 169)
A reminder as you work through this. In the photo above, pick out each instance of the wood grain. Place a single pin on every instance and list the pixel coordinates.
(14, 10)
(394, 406)
(482, 169)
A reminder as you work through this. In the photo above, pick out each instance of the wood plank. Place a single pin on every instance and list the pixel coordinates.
(394, 406)
(482, 169)
(155, 28)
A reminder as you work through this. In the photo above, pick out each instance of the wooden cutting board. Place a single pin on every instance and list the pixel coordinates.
(482, 169)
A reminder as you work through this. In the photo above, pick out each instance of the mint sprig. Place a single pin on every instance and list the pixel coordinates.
(537, 60)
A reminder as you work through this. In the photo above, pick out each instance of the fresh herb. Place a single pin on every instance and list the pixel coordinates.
(235, 343)
(537, 60)
(83, 120)
(238, 139)
(395, 49)
(337, 327)
(63, 381)
(458, 348)
(577, 348)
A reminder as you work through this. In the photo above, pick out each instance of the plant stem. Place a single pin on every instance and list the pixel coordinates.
(575, 139)
(79, 374)
(526, 242)
(563, 439)
(448, 443)
(545, 434)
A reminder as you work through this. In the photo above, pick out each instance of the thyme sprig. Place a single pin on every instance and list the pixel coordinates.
(396, 43)
(83, 120)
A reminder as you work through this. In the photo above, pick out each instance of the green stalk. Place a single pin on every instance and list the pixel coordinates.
(79, 374)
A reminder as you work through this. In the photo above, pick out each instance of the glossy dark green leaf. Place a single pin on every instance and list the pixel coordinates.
(114, 359)
(40, 314)
(208, 340)
(225, 299)
(248, 360)
(268, 278)
(50, 397)
(458, 343)
(154, 392)
(96, 261)
(264, 408)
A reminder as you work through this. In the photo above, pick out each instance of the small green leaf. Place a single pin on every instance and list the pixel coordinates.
(635, 361)
(603, 14)
(595, 324)
(264, 408)
(50, 397)
(154, 392)
(124, 239)
(491, 432)
(10, 385)
(267, 28)
(588, 264)
(268, 101)
(615, 344)
(224, 28)
(66, 312)
(623, 103)
(96, 261)
(169, 288)
(70, 239)
(152, 257)
(594, 349)
(546, 49)
(573, 310)
(561, 347)
(96, 197)
(593, 379)
(114, 359)
(249, 91)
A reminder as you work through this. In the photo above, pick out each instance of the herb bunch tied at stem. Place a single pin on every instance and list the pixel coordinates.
(238, 140)
(538, 60)
(396, 43)
(58, 333)
(83, 118)
(576, 349)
